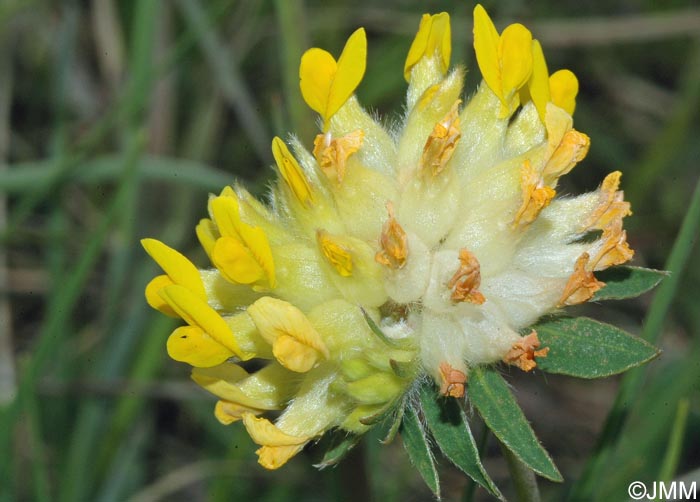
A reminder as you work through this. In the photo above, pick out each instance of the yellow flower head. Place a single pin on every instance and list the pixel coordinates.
(386, 257)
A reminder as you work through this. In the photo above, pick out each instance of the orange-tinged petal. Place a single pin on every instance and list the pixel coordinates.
(466, 280)
(581, 285)
(523, 352)
(332, 153)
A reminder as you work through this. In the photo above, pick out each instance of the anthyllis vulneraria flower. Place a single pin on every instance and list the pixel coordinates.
(385, 255)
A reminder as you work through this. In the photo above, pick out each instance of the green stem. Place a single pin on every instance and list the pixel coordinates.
(523, 478)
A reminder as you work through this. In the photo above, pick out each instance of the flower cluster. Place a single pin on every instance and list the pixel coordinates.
(388, 253)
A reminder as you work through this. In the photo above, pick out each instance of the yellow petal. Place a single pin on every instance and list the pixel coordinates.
(563, 86)
(227, 412)
(235, 261)
(274, 457)
(515, 54)
(196, 312)
(335, 253)
(316, 74)
(153, 295)
(433, 38)
(207, 234)
(189, 344)
(226, 215)
(291, 172)
(327, 85)
(253, 241)
(351, 68)
(293, 354)
(265, 433)
(295, 342)
(486, 42)
(539, 80)
(180, 270)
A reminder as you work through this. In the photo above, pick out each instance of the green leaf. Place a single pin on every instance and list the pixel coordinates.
(340, 444)
(418, 450)
(489, 393)
(450, 429)
(627, 282)
(396, 419)
(585, 348)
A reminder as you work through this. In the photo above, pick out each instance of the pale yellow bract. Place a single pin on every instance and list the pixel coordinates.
(385, 256)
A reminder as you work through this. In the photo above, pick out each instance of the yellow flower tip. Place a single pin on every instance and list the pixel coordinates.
(581, 285)
(153, 297)
(189, 344)
(243, 253)
(442, 141)
(295, 342)
(563, 86)
(207, 235)
(523, 352)
(535, 194)
(432, 40)
(452, 381)
(393, 242)
(291, 172)
(179, 269)
(196, 312)
(236, 262)
(505, 60)
(277, 446)
(332, 153)
(227, 412)
(466, 280)
(337, 255)
(326, 84)
(274, 457)
(538, 86)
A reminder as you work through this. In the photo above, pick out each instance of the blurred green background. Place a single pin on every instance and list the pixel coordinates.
(117, 117)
